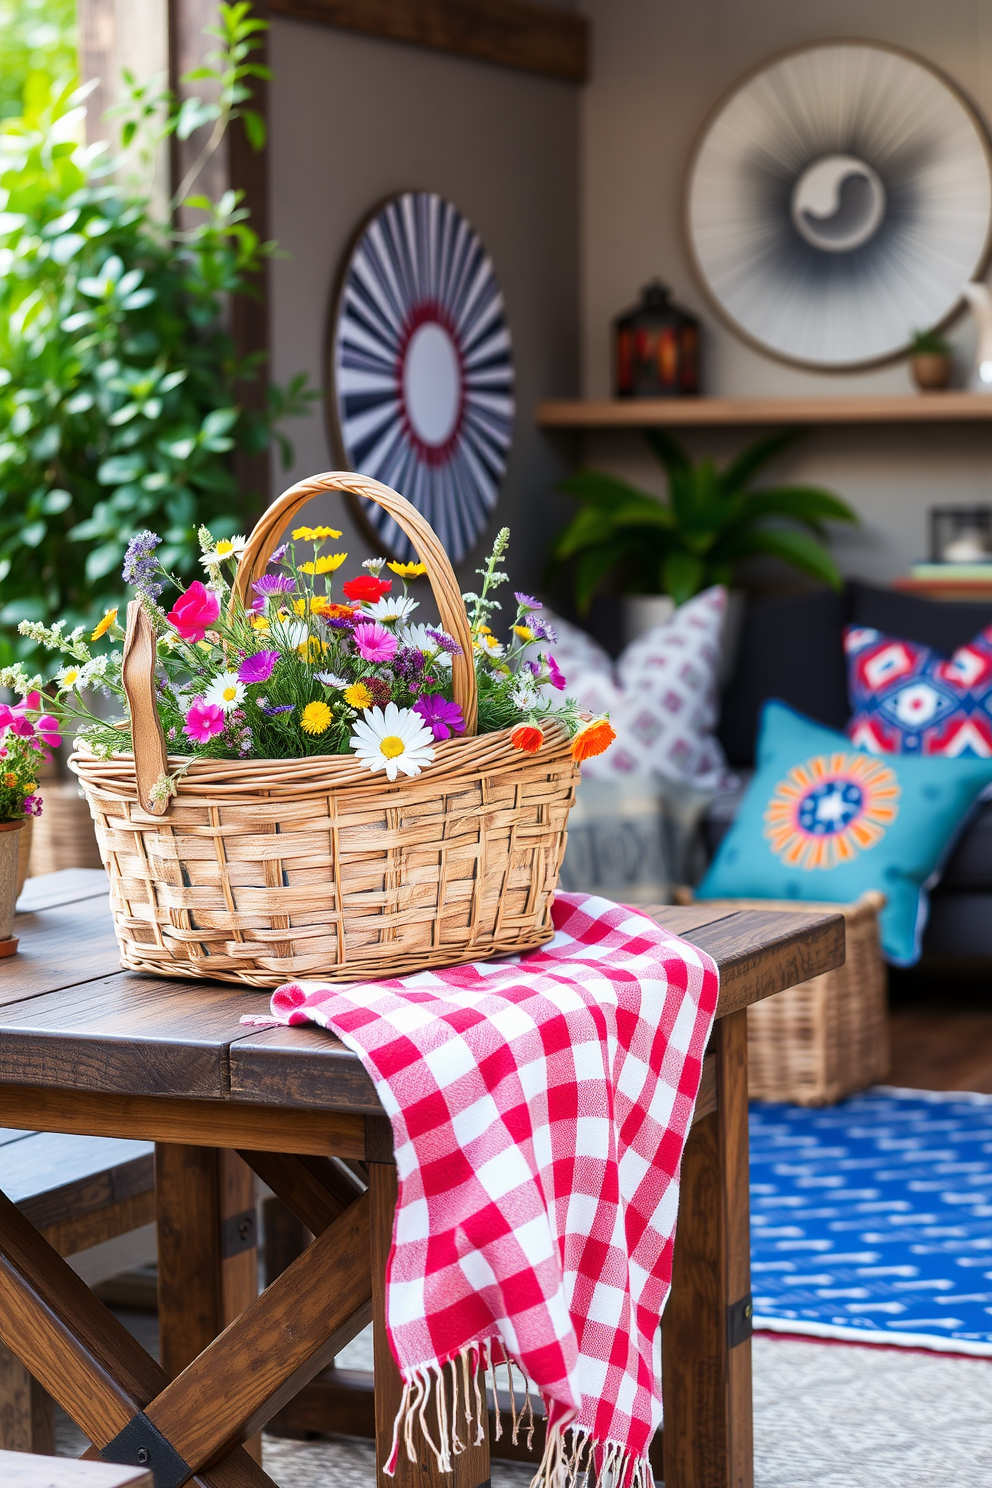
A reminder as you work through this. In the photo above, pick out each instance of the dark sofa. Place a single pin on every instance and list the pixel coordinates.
(792, 649)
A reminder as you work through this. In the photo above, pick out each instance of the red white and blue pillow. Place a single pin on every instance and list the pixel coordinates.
(907, 699)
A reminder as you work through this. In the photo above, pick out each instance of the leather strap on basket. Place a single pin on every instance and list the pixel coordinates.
(147, 739)
(451, 608)
(138, 668)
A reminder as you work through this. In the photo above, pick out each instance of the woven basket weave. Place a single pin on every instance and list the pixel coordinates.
(821, 1040)
(260, 871)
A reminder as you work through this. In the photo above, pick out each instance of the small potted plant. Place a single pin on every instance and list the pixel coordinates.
(931, 361)
(27, 734)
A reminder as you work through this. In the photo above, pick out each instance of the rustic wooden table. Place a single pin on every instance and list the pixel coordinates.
(87, 1048)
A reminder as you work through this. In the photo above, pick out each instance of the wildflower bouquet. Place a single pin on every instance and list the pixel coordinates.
(296, 668)
(27, 734)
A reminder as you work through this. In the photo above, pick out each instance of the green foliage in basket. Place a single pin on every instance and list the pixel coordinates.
(119, 382)
(298, 670)
(711, 521)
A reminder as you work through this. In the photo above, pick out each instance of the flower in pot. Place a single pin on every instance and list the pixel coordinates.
(27, 734)
(931, 361)
(711, 520)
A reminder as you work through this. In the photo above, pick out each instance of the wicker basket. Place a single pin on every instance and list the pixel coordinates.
(259, 871)
(826, 1038)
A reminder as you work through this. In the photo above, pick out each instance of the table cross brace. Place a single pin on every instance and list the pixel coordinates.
(114, 1391)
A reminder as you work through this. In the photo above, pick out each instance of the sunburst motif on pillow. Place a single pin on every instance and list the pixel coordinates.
(831, 808)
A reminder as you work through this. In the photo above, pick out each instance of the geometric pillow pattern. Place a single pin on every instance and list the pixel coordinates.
(907, 699)
(660, 695)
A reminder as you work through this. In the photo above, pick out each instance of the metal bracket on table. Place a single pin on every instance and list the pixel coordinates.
(739, 1321)
(141, 1444)
(239, 1233)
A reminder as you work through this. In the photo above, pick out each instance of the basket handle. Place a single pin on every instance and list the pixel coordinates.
(444, 586)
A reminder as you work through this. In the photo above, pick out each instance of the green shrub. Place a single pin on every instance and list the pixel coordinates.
(119, 380)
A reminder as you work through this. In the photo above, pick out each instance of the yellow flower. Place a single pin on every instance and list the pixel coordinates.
(324, 565)
(358, 696)
(408, 570)
(314, 534)
(483, 630)
(259, 622)
(10, 779)
(524, 632)
(312, 648)
(105, 624)
(316, 605)
(315, 718)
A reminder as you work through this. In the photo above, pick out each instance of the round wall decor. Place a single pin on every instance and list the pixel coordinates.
(837, 201)
(421, 369)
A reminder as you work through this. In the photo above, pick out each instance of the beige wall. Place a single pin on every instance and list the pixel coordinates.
(659, 66)
(354, 119)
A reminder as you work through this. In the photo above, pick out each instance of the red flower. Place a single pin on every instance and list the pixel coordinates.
(366, 589)
(194, 611)
(528, 737)
(593, 739)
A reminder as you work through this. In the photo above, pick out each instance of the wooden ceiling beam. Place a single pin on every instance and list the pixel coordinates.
(511, 33)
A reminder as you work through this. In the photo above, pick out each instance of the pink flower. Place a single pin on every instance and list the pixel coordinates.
(258, 668)
(555, 676)
(194, 611)
(204, 720)
(48, 730)
(374, 642)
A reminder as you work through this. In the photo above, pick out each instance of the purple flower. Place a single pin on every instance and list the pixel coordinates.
(337, 622)
(270, 584)
(140, 568)
(446, 642)
(441, 717)
(258, 668)
(282, 708)
(279, 554)
(32, 805)
(555, 676)
(408, 663)
(544, 632)
(527, 601)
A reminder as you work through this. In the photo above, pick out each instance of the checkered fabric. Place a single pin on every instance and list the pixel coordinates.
(540, 1107)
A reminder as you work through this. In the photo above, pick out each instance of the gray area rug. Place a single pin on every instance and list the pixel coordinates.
(825, 1416)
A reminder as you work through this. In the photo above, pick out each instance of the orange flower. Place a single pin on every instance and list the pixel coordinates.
(528, 737)
(593, 739)
(104, 624)
(339, 612)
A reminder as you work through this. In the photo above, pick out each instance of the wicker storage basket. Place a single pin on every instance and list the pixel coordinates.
(259, 871)
(829, 1037)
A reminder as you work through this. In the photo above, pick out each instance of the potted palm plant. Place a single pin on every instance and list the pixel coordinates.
(711, 520)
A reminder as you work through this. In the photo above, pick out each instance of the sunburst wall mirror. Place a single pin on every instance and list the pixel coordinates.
(420, 375)
(838, 200)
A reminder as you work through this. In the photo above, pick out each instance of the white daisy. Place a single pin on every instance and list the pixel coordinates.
(293, 633)
(330, 679)
(71, 677)
(393, 739)
(225, 547)
(389, 610)
(416, 637)
(225, 691)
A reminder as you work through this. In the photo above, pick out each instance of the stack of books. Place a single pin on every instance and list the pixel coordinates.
(948, 580)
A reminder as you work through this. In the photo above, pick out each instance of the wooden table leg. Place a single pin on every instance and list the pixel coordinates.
(26, 1419)
(207, 1251)
(471, 1467)
(706, 1331)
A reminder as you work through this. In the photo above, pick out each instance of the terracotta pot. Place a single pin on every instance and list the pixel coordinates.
(24, 853)
(931, 371)
(10, 841)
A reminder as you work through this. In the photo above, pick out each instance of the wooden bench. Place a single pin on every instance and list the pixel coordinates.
(83, 1194)
(17, 1470)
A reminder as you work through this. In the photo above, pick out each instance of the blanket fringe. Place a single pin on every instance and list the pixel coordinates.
(570, 1453)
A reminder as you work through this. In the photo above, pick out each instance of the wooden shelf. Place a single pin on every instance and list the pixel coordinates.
(874, 408)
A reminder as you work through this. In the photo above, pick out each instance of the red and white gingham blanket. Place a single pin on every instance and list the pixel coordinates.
(540, 1106)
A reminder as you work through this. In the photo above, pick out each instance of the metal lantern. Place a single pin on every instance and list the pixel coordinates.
(656, 347)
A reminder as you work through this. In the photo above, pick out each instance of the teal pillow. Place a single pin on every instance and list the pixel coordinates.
(821, 820)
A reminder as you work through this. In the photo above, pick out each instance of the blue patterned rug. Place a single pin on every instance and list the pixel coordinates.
(872, 1220)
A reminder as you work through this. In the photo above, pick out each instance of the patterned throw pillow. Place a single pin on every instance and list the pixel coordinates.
(822, 820)
(906, 699)
(660, 695)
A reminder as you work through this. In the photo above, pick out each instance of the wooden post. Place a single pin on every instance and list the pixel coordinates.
(207, 1250)
(26, 1420)
(706, 1346)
